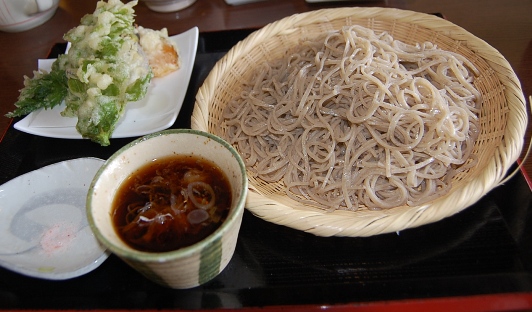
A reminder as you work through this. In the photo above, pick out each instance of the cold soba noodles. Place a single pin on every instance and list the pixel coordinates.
(355, 118)
(171, 203)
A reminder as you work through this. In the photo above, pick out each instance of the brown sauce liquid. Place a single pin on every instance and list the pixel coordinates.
(151, 208)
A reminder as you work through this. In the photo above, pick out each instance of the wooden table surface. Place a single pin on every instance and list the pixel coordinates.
(506, 25)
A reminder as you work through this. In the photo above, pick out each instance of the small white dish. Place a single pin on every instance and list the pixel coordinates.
(20, 15)
(165, 6)
(44, 231)
(157, 111)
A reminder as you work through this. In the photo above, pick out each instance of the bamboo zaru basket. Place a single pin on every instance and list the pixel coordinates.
(503, 116)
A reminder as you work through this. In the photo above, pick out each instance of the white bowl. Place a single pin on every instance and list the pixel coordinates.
(189, 266)
(164, 6)
(22, 15)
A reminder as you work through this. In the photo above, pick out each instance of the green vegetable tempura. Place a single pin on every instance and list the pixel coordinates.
(44, 90)
(103, 70)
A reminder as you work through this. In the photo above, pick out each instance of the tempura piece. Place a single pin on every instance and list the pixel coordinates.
(161, 52)
(105, 69)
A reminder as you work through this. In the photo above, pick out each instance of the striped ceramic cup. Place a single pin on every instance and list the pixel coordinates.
(186, 267)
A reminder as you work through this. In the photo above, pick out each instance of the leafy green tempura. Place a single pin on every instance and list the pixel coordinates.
(44, 90)
(103, 70)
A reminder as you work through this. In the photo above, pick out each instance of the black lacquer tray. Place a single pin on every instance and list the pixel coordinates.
(485, 249)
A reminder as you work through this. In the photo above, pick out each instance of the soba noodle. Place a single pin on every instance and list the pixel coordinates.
(357, 118)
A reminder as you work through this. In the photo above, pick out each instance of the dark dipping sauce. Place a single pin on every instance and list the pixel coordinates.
(171, 203)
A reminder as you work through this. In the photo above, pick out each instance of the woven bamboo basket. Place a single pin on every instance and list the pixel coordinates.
(503, 116)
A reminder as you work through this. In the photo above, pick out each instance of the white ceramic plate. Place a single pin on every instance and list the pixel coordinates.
(44, 230)
(157, 111)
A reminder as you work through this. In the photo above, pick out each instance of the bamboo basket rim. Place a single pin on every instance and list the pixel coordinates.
(367, 222)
